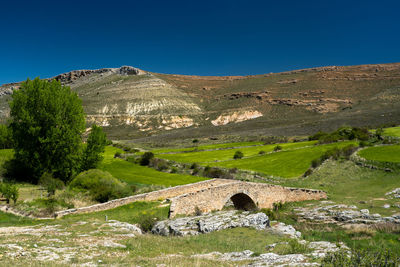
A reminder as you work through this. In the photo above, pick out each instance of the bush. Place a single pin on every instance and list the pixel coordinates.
(308, 172)
(238, 155)
(50, 184)
(9, 192)
(147, 221)
(270, 213)
(117, 154)
(195, 141)
(194, 166)
(159, 164)
(262, 152)
(145, 159)
(213, 172)
(277, 148)
(174, 170)
(101, 185)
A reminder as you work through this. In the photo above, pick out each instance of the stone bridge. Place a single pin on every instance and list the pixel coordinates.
(211, 195)
(242, 195)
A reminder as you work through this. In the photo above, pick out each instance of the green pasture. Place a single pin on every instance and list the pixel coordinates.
(227, 154)
(387, 153)
(206, 147)
(136, 174)
(286, 163)
(347, 183)
(392, 131)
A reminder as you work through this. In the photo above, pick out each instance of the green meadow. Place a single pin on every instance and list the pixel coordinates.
(227, 154)
(386, 153)
(135, 174)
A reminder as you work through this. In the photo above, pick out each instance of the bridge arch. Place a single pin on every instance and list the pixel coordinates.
(241, 200)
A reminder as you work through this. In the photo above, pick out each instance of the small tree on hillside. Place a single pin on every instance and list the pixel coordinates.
(96, 143)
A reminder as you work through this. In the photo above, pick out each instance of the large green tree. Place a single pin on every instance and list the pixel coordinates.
(96, 143)
(47, 122)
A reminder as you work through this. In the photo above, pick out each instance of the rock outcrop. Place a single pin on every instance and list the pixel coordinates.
(342, 214)
(210, 222)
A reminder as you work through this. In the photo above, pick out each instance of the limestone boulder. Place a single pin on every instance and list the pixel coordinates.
(210, 222)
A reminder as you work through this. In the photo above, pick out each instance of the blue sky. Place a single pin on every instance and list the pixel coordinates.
(45, 38)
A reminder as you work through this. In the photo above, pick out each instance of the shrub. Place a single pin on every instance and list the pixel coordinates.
(101, 185)
(9, 192)
(238, 155)
(277, 148)
(319, 135)
(50, 184)
(262, 152)
(147, 221)
(194, 166)
(270, 213)
(213, 172)
(174, 170)
(159, 164)
(145, 159)
(308, 172)
(117, 154)
(197, 211)
(195, 141)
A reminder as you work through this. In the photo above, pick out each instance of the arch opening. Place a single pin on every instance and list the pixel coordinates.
(242, 201)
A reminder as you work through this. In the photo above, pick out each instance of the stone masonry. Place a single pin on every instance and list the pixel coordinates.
(211, 195)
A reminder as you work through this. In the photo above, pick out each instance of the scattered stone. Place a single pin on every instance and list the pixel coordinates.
(111, 244)
(284, 229)
(123, 226)
(364, 211)
(342, 214)
(386, 206)
(394, 193)
(210, 222)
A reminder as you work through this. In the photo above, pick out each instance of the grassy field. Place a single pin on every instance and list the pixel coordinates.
(286, 164)
(206, 147)
(227, 154)
(138, 175)
(347, 183)
(389, 153)
(392, 131)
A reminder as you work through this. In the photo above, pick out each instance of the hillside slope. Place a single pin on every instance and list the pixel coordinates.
(131, 103)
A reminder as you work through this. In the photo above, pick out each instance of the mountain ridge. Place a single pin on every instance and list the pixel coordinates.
(133, 103)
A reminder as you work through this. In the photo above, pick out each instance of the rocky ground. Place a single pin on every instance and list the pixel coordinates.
(329, 212)
(88, 243)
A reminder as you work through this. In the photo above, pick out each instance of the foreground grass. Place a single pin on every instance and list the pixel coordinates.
(7, 219)
(138, 175)
(286, 164)
(390, 153)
